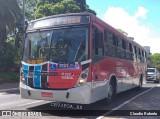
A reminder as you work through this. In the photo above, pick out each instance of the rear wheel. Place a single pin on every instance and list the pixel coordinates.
(140, 83)
(111, 92)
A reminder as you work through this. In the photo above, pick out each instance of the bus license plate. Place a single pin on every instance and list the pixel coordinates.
(46, 94)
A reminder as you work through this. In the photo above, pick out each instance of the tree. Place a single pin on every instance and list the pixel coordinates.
(7, 55)
(54, 7)
(155, 59)
(29, 8)
(9, 14)
(123, 32)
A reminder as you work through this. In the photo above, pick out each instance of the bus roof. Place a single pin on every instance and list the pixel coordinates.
(95, 18)
(61, 15)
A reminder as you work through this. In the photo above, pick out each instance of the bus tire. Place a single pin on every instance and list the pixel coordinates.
(111, 91)
(140, 83)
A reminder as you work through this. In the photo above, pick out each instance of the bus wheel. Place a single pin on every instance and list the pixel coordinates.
(140, 83)
(111, 92)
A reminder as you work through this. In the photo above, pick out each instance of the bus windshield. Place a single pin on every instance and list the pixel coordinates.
(58, 45)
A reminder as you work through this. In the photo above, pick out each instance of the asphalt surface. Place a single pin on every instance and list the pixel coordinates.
(149, 100)
(9, 86)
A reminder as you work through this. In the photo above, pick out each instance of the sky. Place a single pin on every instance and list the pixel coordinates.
(139, 18)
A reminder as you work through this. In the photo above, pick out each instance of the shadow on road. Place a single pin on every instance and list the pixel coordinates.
(6, 92)
(95, 109)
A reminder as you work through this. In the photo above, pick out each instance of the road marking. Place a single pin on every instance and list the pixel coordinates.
(10, 89)
(121, 105)
(30, 103)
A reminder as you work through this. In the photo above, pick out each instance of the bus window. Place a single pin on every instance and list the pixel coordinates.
(123, 44)
(135, 53)
(115, 40)
(131, 51)
(110, 44)
(135, 50)
(127, 46)
(110, 38)
(142, 56)
(98, 42)
(120, 42)
(130, 47)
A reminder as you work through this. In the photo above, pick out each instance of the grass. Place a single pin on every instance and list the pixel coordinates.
(9, 77)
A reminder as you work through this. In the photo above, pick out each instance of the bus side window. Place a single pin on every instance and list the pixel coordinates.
(142, 56)
(145, 56)
(98, 43)
(110, 43)
(138, 55)
(135, 53)
(131, 51)
(119, 48)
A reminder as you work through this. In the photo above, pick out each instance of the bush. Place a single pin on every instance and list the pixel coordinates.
(9, 77)
(9, 56)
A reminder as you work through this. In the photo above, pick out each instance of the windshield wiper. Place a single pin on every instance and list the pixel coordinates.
(50, 45)
(45, 44)
(62, 35)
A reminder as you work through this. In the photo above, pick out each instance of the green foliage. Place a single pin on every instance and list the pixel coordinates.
(9, 55)
(54, 7)
(9, 77)
(9, 14)
(29, 8)
(155, 59)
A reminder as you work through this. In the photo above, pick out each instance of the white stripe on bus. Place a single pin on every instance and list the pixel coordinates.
(86, 62)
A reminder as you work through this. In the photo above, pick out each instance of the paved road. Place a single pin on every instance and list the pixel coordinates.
(148, 103)
(8, 86)
(10, 100)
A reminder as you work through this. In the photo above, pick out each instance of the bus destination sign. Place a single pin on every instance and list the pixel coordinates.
(55, 21)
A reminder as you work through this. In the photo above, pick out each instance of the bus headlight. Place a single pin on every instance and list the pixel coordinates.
(22, 79)
(82, 78)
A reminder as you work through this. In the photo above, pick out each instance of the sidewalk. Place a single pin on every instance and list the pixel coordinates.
(148, 101)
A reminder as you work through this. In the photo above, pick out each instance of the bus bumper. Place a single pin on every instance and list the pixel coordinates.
(80, 95)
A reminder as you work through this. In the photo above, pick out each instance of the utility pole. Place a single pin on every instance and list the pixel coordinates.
(24, 16)
(23, 40)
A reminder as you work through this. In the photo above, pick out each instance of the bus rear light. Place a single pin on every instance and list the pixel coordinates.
(82, 78)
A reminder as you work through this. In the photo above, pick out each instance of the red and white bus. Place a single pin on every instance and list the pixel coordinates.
(78, 58)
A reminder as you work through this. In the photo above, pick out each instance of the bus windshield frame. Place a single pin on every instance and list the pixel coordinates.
(62, 44)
